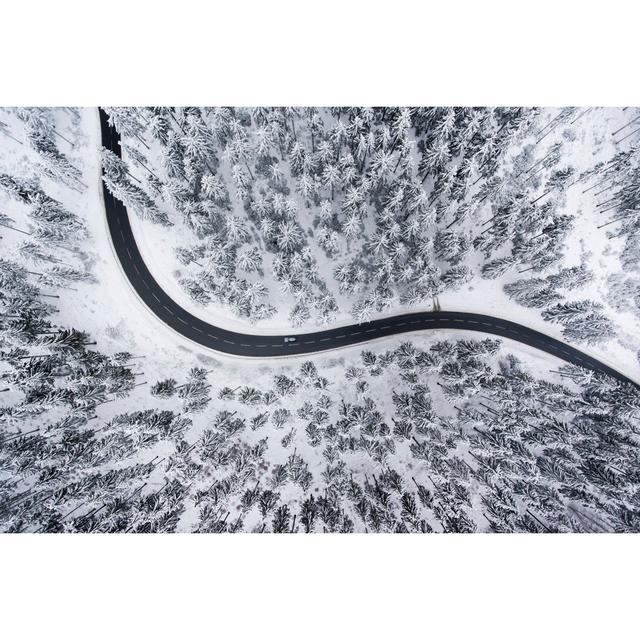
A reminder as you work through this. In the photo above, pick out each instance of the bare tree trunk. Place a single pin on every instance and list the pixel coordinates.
(143, 142)
(147, 168)
(550, 123)
(542, 524)
(174, 119)
(132, 176)
(534, 165)
(26, 233)
(626, 125)
(606, 202)
(580, 116)
(611, 186)
(628, 135)
(546, 193)
(611, 222)
(61, 136)
(13, 436)
(6, 133)
(615, 206)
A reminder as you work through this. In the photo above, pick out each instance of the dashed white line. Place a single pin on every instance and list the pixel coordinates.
(197, 329)
(229, 341)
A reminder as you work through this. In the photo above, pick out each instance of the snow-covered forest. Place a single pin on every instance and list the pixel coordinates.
(288, 217)
(299, 217)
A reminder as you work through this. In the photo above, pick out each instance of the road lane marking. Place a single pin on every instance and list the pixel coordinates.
(228, 341)
(357, 333)
(340, 337)
(196, 328)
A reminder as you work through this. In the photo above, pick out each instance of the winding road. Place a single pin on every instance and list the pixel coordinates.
(269, 346)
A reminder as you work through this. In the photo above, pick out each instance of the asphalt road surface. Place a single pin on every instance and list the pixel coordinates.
(268, 346)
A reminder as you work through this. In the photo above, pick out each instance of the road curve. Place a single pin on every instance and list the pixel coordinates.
(268, 346)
